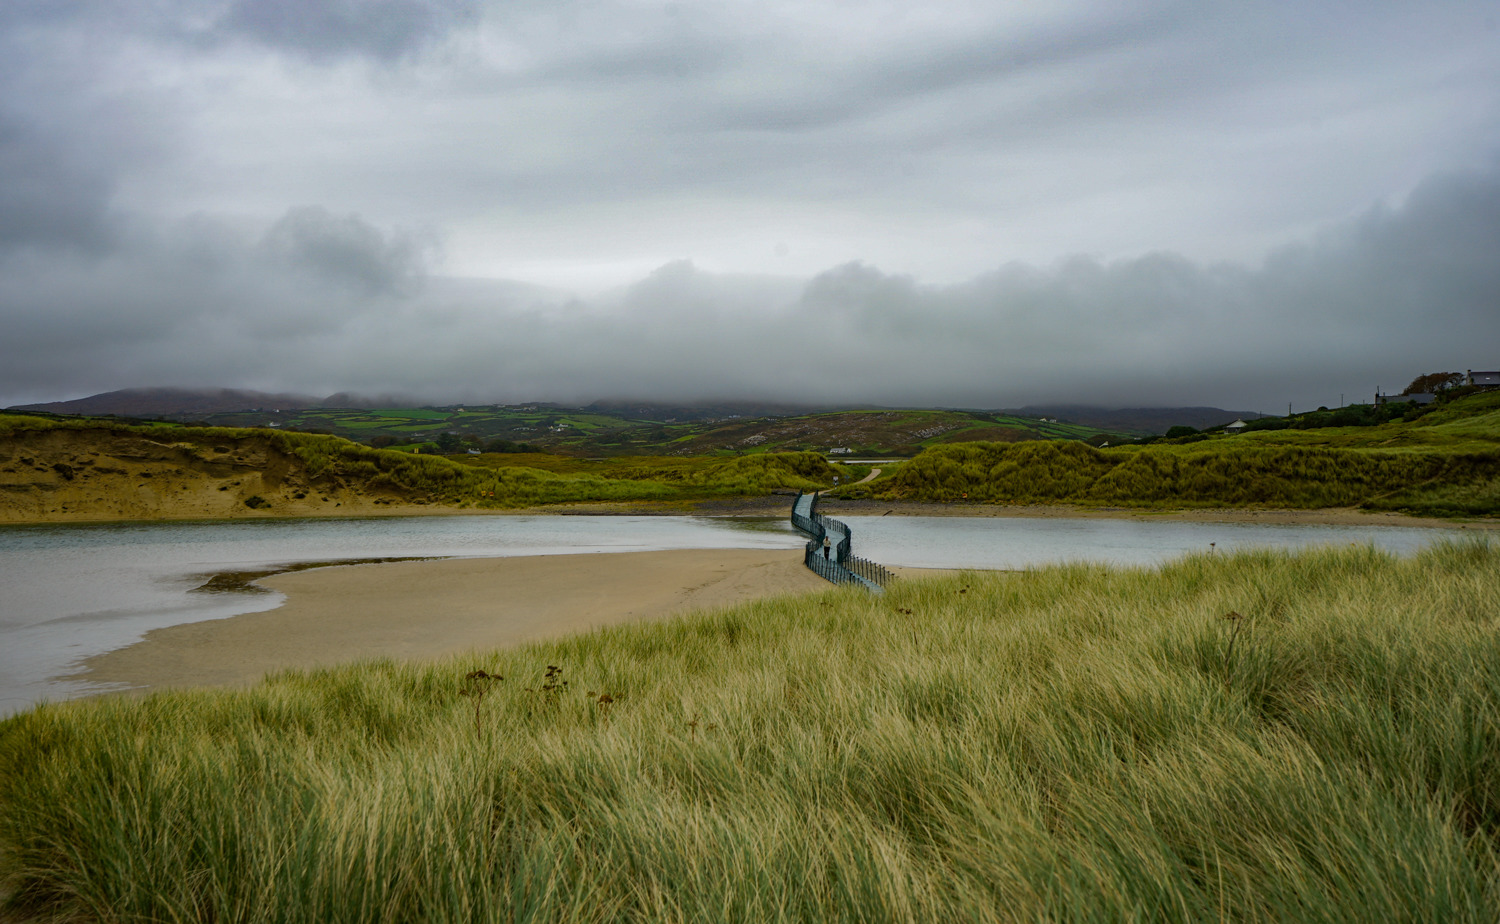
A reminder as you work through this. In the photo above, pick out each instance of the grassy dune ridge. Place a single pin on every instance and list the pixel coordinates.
(520, 486)
(1214, 474)
(1445, 463)
(1268, 735)
(285, 466)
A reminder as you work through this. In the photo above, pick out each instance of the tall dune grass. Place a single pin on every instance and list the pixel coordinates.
(1218, 473)
(1264, 736)
(334, 460)
(519, 486)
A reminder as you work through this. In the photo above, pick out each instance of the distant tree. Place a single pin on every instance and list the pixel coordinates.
(449, 442)
(1180, 431)
(1434, 382)
(381, 442)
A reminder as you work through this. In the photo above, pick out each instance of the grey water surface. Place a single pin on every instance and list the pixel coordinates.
(69, 592)
(1026, 542)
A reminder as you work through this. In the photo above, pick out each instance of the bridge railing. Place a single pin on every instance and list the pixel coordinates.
(837, 563)
(874, 572)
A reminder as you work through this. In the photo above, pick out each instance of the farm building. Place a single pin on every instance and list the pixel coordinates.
(1417, 398)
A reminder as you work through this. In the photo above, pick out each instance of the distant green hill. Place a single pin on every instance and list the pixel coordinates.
(599, 432)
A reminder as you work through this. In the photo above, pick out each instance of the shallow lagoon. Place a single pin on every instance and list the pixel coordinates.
(68, 592)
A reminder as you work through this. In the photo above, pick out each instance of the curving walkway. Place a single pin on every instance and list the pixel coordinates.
(834, 561)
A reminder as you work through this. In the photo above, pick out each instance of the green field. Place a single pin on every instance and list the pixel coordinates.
(580, 432)
(1257, 737)
(399, 413)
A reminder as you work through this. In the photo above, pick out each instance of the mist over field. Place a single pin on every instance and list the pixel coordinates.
(974, 205)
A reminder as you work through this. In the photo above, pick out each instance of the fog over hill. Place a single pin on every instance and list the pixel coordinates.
(147, 402)
(1139, 419)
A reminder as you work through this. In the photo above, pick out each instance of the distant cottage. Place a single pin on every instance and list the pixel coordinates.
(1236, 426)
(1415, 398)
(1483, 379)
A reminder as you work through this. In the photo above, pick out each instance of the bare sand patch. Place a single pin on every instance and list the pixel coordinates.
(425, 609)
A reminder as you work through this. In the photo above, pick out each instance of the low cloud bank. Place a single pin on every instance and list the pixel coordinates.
(319, 303)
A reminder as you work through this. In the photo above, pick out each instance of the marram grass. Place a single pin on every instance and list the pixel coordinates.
(328, 460)
(1226, 472)
(1257, 737)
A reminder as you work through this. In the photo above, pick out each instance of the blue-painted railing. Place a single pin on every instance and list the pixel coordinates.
(829, 548)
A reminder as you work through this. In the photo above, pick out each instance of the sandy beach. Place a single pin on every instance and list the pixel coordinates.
(424, 609)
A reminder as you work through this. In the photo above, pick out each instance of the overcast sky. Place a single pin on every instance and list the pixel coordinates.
(980, 204)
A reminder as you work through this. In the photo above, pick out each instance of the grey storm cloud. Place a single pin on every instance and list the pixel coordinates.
(321, 30)
(48, 195)
(961, 203)
(344, 249)
(199, 296)
(384, 29)
(322, 302)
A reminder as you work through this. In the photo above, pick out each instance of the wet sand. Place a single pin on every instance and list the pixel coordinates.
(426, 609)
